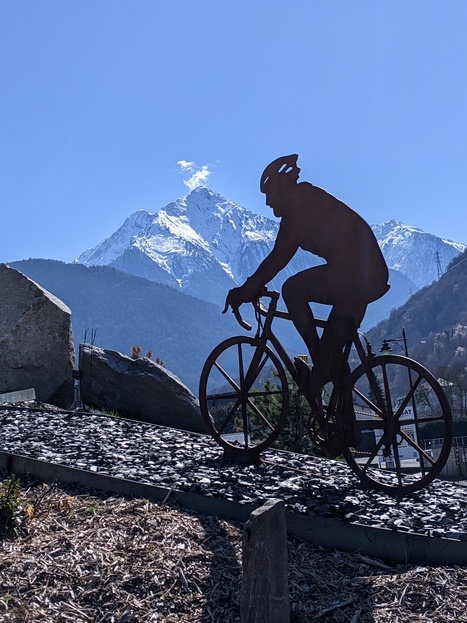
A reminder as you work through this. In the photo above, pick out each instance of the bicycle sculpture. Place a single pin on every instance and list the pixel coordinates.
(364, 407)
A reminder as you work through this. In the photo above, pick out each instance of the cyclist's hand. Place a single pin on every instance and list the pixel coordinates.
(234, 299)
(247, 293)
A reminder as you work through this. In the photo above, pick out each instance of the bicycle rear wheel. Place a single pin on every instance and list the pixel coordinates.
(243, 395)
(399, 406)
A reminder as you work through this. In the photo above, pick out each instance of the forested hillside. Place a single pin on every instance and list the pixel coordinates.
(435, 322)
(125, 310)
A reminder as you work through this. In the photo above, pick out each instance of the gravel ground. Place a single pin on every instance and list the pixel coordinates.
(187, 461)
(69, 554)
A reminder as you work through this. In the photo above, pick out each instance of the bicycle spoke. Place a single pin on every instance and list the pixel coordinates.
(421, 420)
(254, 371)
(240, 364)
(369, 403)
(415, 446)
(375, 388)
(229, 417)
(410, 397)
(249, 415)
(221, 396)
(269, 392)
(373, 455)
(227, 376)
(388, 391)
(260, 415)
(245, 425)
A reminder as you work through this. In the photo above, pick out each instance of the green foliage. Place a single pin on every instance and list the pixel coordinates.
(109, 412)
(184, 328)
(434, 319)
(136, 352)
(10, 510)
(294, 436)
(435, 430)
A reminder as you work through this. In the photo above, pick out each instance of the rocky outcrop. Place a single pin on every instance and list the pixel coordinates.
(36, 340)
(139, 389)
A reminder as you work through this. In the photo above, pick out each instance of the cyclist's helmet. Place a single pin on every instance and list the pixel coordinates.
(281, 166)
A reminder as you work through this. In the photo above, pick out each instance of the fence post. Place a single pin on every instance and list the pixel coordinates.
(265, 590)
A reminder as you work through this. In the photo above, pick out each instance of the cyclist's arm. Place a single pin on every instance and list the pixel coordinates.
(280, 256)
(278, 259)
(283, 251)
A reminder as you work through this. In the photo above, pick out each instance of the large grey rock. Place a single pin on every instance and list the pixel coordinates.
(36, 340)
(137, 388)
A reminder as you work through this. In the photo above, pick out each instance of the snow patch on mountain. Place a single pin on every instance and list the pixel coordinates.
(415, 253)
(204, 244)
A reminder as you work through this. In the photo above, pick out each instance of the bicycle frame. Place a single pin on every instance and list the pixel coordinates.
(267, 335)
(381, 404)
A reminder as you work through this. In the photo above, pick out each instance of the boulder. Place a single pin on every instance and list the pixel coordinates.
(137, 388)
(36, 340)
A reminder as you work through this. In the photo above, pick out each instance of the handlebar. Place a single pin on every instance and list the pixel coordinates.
(263, 311)
(274, 296)
(243, 323)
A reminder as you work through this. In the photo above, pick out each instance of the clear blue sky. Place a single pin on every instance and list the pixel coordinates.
(101, 99)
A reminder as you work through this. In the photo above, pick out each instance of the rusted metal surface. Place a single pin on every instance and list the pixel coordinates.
(244, 389)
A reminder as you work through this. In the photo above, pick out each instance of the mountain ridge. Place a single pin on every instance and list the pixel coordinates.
(406, 248)
(204, 245)
(123, 310)
(205, 227)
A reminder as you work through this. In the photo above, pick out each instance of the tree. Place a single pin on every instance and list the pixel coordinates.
(294, 436)
(453, 377)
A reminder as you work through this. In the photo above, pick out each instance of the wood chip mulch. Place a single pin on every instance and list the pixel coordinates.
(68, 554)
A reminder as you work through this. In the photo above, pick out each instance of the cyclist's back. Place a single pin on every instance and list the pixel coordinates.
(321, 224)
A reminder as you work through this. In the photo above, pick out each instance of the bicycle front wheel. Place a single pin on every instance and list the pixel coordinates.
(243, 395)
(403, 424)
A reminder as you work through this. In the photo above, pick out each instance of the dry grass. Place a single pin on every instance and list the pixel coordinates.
(75, 555)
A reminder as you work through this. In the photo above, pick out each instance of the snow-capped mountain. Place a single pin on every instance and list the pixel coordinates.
(205, 244)
(415, 253)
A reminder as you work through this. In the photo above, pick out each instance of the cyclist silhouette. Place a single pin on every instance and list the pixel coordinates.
(354, 275)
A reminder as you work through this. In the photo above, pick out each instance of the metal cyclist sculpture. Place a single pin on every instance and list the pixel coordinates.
(373, 409)
(354, 275)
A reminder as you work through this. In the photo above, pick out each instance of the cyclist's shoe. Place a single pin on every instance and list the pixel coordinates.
(317, 424)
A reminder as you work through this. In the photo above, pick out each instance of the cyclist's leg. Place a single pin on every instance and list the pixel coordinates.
(344, 320)
(298, 291)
